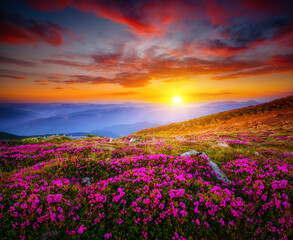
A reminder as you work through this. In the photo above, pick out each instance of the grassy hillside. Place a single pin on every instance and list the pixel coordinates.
(277, 114)
(143, 189)
(140, 187)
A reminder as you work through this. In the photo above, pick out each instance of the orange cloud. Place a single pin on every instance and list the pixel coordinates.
(4, 76)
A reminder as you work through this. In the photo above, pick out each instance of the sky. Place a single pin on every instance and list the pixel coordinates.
(145, 50)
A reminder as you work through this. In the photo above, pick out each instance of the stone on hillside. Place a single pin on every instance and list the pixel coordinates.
(111, 139)
(219, 173)
(132, 140)
(186, 154)
(256, 153)
(86, 181)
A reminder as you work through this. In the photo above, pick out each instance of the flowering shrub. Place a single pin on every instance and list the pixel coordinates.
(143, 189)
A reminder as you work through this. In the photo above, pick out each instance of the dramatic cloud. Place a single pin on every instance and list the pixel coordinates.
(12, 77)
(283, 61)
(146, 43)
(42, 82)
(66, 63)
(169, 68)
(141, 16)
(125, 79)
(18, 30)
(23, 63)
(107, 59)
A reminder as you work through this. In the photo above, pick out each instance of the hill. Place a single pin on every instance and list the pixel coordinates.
(277, 114)
(8, 136)
(146, 188)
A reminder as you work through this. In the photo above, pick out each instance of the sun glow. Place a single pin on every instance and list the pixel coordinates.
(176, 99)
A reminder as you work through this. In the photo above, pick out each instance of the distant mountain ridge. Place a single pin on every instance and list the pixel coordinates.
(8, 136)
(111, 120)
(126, 129)
(272, 115)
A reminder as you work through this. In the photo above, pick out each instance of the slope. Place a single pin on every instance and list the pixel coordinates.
(277, 114)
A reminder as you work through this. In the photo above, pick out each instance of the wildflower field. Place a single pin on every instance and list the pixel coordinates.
(139, 187)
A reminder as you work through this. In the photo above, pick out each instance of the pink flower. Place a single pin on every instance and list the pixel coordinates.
(197, 222)
(81, 229)
(137, 191)
(144, 234)
(108, 235)
(231, 223)
(222, 222)
(120, 221)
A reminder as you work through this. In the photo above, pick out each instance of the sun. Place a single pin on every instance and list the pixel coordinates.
(176, 99)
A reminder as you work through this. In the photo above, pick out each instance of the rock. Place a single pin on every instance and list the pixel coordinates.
(132, 140)
(186, 154)
(256, 153)
(219, 173)
(49, 235)
(111, 140)
(86, 181)
(179, 138)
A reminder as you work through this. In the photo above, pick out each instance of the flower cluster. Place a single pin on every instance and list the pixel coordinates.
(143, 189)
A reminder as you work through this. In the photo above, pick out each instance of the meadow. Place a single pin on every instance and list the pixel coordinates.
(138, 187)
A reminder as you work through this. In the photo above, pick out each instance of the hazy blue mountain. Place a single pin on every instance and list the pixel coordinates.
(114, 119)
(10, 116)
(126, 129)
(104, 133)
(84, 121)
(8, 136)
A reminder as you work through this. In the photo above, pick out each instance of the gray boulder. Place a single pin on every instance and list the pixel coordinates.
(86, 181)
(219, 173)
(192, 152)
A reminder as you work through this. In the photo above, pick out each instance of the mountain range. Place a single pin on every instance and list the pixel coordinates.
(110, 120)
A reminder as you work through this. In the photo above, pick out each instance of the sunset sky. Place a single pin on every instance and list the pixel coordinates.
(145, 50)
